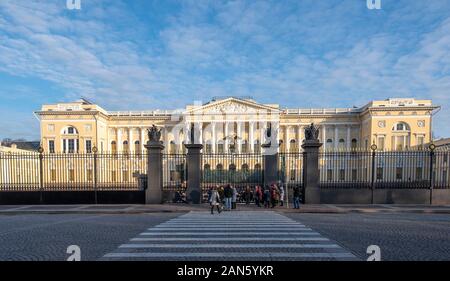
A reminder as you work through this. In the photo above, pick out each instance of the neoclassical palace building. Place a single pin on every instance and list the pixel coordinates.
(392, 124)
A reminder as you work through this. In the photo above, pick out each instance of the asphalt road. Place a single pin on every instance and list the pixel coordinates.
(47, 236)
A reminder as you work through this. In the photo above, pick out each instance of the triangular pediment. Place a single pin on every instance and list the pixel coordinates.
(233, 106)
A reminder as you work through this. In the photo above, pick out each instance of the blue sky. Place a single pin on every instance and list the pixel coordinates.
(145, 54)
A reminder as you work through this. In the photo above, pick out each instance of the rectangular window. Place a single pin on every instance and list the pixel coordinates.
(444, 177)
(329, 175)
(208, 148)
(71, 175)
(89, 175)
(51, 146)
(399, 173)
(379, 173)
(71, 145)
(380, 143)
(419, 173)
(220, 148)
(342, 175)
(113, 176)
(53, 174)
(88, 146)
(420, 141)
(125, 175)
(354, 175)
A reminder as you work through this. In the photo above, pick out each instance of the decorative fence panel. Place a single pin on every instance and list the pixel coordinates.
(71, 171)
(241, 170)
(291, 169)
(174, 172)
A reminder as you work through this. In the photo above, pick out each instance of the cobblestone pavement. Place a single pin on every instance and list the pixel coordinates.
(236, 236)
(47, 236)
(399, 236)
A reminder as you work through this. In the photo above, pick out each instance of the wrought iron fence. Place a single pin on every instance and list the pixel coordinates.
(174, 172)
(71, 171)
(241, 170)
(291, 169)
(416, 169)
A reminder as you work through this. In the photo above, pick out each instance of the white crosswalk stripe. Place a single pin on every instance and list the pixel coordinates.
(235, 236)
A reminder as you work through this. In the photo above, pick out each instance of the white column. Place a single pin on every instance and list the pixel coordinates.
(213, 141)
(225, 149)
(300, 137)
(166, 139)
(336, 136)
(119, 139)
(349, 141)
(276, 130)
(142, 138)
(324, 135)
(239, 134)
(200, 134)
(251, 139)
(286, 137)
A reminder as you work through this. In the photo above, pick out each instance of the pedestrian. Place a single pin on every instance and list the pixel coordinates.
(221, 193)
(266, 197)
(296, 197)
(258, 195)
(275, 195)
(248, 195)
(233, 197)
(228, 193)
(214, 201)
(209, 193)
(281, 194)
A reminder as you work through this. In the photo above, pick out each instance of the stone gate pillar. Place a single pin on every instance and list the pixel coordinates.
(311, 173)
(153, 193)
(193, 162)
(270, 155)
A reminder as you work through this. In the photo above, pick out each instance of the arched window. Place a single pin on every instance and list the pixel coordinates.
(244, 146)
(341, 143)
(400, 127)
(293, 146)
(401, 137)
(69, 130)
(207, 167)
(257, 166)
(113, 147)
(219, 167)
(354, 143)
(137, 146)
(172, 147)
(70, 141)
(232, 167)
(329, 143)
(125, 147)
(244, 167)
(257, 146)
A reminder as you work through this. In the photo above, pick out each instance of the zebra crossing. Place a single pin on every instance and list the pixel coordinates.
(235, 236)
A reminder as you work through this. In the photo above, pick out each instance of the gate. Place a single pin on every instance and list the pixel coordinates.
(240, 170)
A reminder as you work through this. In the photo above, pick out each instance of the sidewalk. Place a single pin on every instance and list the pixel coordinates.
(182, 208)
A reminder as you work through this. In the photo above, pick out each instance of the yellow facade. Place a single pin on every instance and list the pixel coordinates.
(392, 124)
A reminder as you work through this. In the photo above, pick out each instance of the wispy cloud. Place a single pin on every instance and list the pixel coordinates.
(153, 54)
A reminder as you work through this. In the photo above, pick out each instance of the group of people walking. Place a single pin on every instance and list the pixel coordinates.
(225, 197)
(219, 195)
